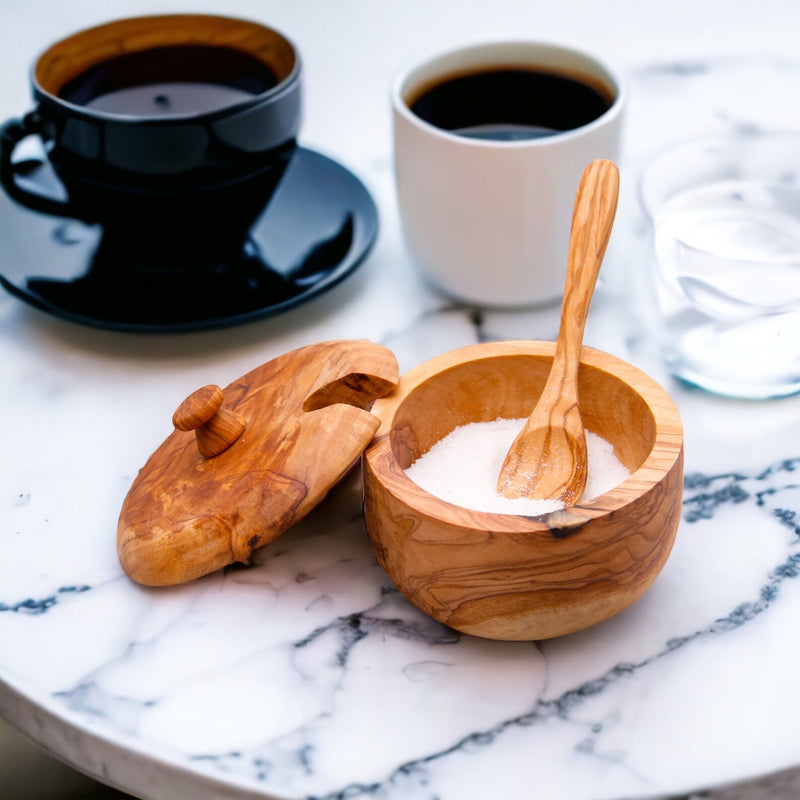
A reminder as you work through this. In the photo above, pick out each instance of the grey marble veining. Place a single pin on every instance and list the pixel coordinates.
(306, 674)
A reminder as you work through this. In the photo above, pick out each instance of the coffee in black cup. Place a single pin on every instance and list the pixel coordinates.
(172, 132)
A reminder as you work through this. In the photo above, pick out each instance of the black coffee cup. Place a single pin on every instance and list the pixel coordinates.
(172, 132)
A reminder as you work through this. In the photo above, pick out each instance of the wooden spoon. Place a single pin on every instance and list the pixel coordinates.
(548, 458)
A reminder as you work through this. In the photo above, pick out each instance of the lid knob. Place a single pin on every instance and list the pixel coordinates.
(215, 428)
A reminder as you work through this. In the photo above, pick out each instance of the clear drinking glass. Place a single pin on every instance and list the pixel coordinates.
(726, 252)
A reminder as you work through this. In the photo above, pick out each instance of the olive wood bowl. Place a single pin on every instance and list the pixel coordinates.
(512, 577)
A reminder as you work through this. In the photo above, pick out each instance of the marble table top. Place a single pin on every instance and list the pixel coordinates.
(307, 675)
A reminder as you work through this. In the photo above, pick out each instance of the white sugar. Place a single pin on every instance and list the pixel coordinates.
(463, 468)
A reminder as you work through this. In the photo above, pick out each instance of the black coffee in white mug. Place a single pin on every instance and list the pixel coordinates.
(490, 141)
(510, 103)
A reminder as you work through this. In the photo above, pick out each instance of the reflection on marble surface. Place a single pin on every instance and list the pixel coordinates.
(306, 674)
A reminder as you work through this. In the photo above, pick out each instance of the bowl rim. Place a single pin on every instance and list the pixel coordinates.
(666, 453)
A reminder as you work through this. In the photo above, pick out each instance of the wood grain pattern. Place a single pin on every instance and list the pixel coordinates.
(548, 459)
(307, 423)
(513, 577)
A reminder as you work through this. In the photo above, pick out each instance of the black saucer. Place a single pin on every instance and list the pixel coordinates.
(316, 230)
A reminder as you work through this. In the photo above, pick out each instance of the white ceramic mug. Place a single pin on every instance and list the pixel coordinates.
(488, 221)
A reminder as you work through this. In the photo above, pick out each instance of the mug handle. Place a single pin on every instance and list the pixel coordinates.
(12, 132)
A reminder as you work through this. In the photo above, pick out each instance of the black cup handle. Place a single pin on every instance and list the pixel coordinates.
(12, 133)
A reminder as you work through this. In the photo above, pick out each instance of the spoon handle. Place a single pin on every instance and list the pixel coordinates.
(593, 218)
(548, 457)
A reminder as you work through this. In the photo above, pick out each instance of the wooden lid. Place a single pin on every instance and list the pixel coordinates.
(248, 461)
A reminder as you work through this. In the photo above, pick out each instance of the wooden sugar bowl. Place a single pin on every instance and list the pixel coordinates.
(246, 462)
(503, 576)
